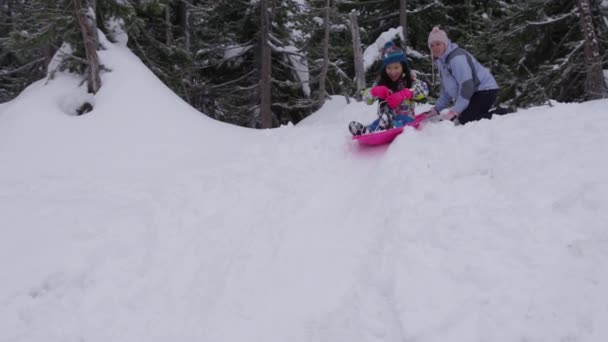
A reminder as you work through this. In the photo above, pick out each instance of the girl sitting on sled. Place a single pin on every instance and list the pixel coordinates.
(396, 89)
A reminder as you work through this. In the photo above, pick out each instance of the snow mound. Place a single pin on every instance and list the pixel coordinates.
(144, 220)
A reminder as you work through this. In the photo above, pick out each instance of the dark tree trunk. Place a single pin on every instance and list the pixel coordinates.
(358, 55)
(325, 66)
(5, 17)
(85, 13)
(184, 22)
(403, 22)
(168, 26)
(265, 67)
(595, 85)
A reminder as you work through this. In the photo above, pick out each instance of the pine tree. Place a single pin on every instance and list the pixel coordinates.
(32, 32)
(40, 31)
(210, 54)
(158, 38)
(338, 58)
(291, 90)
(226, 75)
(230, 62)
(542, 56)
(114, 17)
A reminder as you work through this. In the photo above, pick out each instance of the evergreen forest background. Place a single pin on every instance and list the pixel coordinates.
(236, 65)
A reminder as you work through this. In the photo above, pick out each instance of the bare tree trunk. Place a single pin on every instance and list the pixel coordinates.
(3, 18)
(48, 53)
(595, 85)
(185, 22)
(85, 13)
(325, 66)
(359, 69)
(265, 70)
(470, 10)
(168, 26)
(403, 22)
(6, 21)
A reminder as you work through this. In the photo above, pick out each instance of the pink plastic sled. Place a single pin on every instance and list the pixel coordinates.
(385, 137)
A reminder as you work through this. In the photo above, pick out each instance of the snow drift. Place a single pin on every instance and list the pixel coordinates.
(144, 220)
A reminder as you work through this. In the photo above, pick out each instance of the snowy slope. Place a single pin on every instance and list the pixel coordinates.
(147, 221)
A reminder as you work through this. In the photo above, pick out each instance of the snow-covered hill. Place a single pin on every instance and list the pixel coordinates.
(147, 221)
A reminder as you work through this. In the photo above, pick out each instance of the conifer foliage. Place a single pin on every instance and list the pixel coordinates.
(264, 63)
